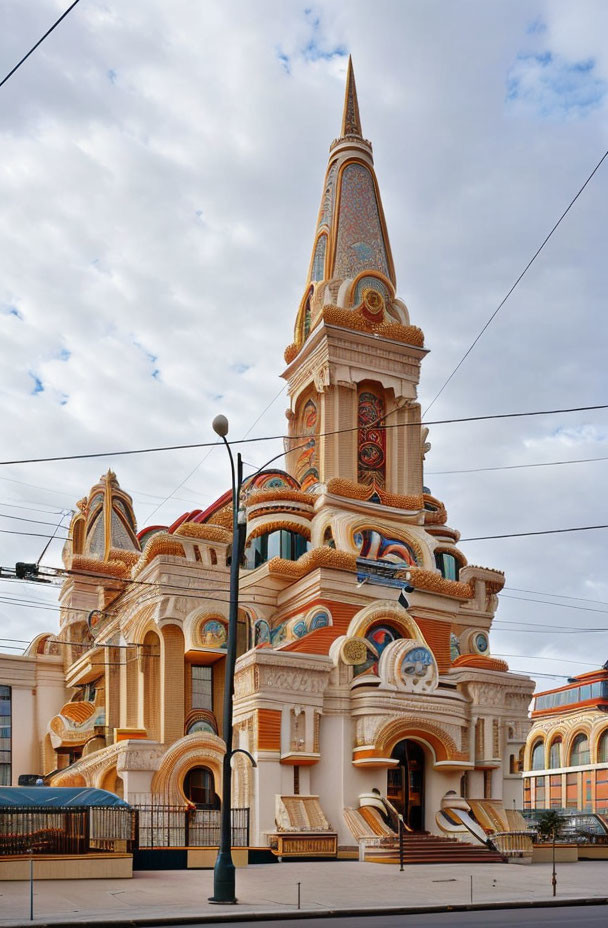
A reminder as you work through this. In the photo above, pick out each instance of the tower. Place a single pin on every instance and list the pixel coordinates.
(355, 359)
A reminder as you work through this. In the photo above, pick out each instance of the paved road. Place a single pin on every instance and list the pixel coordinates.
(591, 916)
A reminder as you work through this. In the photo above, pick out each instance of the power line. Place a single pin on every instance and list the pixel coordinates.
(308, 438)
(525, 270)
(6, 531)
(47, 512)
(547, 602)
(541, 657)
(5, 515)
(477, 470)
(550, 531)
(581, 599)
(39, 42)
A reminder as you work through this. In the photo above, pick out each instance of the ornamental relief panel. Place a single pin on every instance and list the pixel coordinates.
(367, 728)
(296, 681)
(486, 694)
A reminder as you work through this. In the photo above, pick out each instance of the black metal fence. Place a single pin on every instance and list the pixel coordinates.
(176, 826)
(77, 830)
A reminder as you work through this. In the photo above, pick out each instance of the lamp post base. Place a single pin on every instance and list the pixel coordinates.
(224, 880)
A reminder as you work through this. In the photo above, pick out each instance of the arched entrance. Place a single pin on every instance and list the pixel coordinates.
(405, 783)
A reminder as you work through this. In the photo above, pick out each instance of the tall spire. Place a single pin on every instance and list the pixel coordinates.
(351, 121)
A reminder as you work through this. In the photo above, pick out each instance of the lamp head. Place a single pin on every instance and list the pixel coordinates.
(220, 426)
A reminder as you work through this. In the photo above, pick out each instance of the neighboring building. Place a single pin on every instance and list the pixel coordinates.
(566, 755)
(339, 689)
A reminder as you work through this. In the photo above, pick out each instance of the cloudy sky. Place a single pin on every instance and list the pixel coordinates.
(160, 174)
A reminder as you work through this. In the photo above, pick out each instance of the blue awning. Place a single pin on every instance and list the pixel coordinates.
(57, 797)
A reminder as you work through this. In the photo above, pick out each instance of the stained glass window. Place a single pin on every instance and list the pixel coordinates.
(371, 439)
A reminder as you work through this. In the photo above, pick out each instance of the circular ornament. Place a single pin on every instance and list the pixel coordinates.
(480, 643)
(373, 304)
(371, 455)
(354, 651)
(416, 665)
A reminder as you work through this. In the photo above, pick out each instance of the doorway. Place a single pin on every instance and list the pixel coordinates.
(405, 783)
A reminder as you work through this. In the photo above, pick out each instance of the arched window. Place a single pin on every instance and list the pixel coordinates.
(538, 756)
(213, 556)
(200, 725)
(602, 748)
(555, 753)
(579, 752)
(199, 788)
(447, 565)
(288, 545)
(371, 452)
(377, 637)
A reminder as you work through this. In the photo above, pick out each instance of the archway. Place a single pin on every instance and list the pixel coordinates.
(405, 783)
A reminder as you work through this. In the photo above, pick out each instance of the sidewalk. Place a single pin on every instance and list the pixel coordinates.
(272, 888)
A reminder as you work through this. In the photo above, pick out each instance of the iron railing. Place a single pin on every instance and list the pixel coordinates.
(177, 826)
(74, 830)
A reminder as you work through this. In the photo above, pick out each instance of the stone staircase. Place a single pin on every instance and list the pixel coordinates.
(421, 848)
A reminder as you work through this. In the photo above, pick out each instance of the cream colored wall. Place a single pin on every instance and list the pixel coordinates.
(38, 692)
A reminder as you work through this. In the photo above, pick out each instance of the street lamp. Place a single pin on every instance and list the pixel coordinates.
(224, 872)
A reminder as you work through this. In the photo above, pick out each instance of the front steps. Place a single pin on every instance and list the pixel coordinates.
(419, 848)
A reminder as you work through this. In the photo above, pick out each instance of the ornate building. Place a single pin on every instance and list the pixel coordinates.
(566, 756)
(340, 690)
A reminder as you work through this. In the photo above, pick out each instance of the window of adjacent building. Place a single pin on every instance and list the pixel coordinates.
(447, 565)
(199, 787)
(5, 735)
(602, 748)
(579, 753)
(202, 687)
(555, 754)
(538, 756)
(288, 545)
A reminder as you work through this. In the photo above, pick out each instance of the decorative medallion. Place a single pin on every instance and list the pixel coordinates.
(354, 651)
(481, 643)
(213, 634)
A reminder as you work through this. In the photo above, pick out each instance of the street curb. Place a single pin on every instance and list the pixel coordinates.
(275, 915)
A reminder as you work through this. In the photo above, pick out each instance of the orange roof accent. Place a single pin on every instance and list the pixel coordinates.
(437, 636)
(481, 661)
(320, 641)
(269, 729)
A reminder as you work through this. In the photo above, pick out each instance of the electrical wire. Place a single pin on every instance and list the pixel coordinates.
(308, 438)
(39, 42)
(201, 462)
(581, 599)
(6, 531)
(5, 515)
(546, 602)
(478, 470)
(521, 276)
(549, 531)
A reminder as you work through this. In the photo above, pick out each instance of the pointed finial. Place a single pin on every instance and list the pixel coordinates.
(351, 121)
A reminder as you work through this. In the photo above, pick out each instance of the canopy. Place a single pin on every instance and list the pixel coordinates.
(57, 797)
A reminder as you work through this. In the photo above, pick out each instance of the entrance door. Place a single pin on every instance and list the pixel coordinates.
(405, 786)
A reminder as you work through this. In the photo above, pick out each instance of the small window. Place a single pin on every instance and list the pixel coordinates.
(287, 545)
(579, 753)
(201, 725)
(555, 754)
(199, 787)
(447, 565)
(538, 756)
(202, 687)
